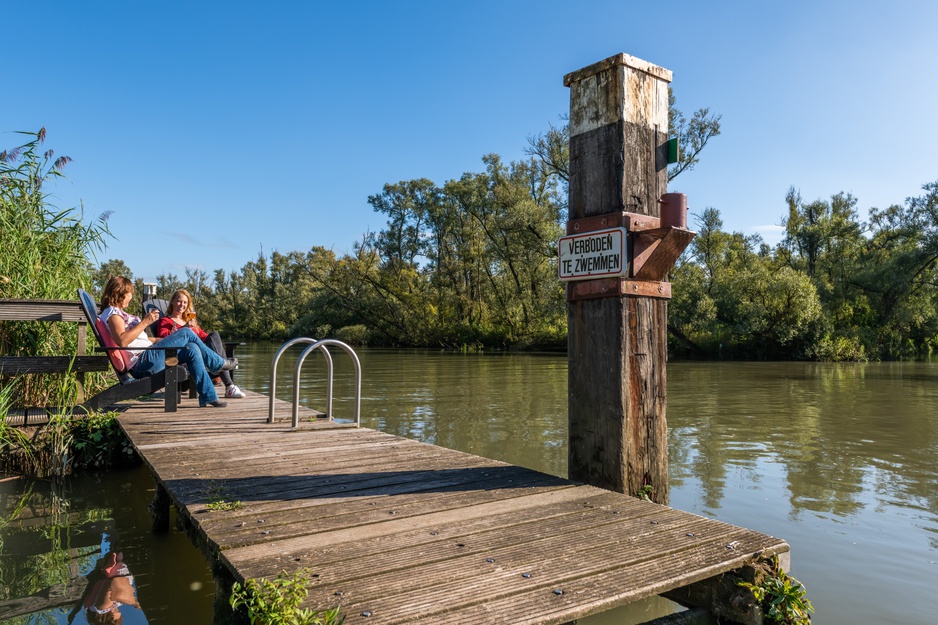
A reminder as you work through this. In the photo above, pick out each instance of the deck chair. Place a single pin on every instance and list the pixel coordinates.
(162, 305)
(155, 303)
(174, 378)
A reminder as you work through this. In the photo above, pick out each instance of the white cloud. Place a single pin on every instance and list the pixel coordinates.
(771, 234)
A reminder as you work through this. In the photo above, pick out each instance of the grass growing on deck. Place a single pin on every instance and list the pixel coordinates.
(277, 601)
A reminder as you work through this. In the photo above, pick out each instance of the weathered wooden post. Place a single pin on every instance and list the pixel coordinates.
(616, 257)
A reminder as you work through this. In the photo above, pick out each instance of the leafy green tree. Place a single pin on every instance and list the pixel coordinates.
(513, 208)
(733, 300)
(824, 240)
(456, 262)
(711, 246)
(390, 264)
(263, 300)
(897, 270)
(382, 300)
(820, 234)
(106, 271)
(771, 310)
(691, 311)
(552, 151)
(693, 135)
(408, 205)
(472, 262)
(324, 312)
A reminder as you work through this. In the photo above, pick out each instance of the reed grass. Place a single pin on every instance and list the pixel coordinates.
(13, 441)
(47, 253)
(68, 442)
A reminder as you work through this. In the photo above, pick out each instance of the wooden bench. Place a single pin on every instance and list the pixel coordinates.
(81, 362)
(51, 311)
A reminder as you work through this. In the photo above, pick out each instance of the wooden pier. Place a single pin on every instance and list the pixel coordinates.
(398, 531)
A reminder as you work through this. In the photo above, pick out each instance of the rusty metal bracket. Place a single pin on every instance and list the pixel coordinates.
(633, 222)
(616, 287)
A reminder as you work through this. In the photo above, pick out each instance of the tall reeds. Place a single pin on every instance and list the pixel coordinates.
(66, 443)
(45, 253)
(13, 441)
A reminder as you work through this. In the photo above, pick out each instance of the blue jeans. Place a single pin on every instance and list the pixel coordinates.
(198, 358)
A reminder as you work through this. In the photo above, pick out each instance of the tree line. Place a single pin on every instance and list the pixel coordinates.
(471, 264)
(835, 288)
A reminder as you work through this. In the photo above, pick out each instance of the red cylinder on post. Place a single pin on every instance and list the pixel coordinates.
(673, 210)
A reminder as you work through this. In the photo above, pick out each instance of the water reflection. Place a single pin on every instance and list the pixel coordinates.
(845, 436)
(66, 547)
(837, 459)
(110, 594)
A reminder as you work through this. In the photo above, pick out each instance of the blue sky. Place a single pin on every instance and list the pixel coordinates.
(215, 130)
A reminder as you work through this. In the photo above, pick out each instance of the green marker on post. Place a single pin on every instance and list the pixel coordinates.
(674, 151)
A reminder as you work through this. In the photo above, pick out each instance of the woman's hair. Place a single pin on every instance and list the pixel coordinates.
(115, 291)
(111, 617)
(179, 293)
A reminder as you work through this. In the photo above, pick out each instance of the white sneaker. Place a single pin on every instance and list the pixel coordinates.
(233, 392)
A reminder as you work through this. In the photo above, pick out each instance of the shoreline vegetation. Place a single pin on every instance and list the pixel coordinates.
(47, 254)
(471, 265)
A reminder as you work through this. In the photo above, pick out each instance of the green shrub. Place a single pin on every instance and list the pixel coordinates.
(99, 442)
(353, 335)
(277, 602)
(65, 444)
(782, 598)
(839, 349)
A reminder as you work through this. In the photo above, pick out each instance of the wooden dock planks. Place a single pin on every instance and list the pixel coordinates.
(406, 532)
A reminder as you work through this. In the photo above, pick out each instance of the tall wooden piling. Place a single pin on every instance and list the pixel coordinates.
(617, 327)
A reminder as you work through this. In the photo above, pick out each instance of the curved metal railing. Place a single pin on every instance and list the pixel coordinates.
(273, 375)
(321, 345)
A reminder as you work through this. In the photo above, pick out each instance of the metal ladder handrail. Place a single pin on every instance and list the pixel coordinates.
(273, 376)
(321, 345)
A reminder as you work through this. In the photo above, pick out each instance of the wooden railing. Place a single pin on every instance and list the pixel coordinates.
(51, 311)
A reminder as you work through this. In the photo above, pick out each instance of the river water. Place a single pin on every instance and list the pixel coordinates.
(837, 459)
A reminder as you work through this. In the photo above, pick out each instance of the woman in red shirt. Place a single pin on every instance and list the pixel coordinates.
(182, 315)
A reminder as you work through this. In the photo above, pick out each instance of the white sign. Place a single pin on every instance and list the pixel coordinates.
(591, 255)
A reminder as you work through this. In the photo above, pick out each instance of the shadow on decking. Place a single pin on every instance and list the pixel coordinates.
(366, 484)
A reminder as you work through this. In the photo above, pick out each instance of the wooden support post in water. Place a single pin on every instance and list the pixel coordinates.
(617, 346)
(159, 507)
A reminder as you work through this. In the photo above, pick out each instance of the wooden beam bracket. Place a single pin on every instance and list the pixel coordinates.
(655, 251)
(633, 222)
